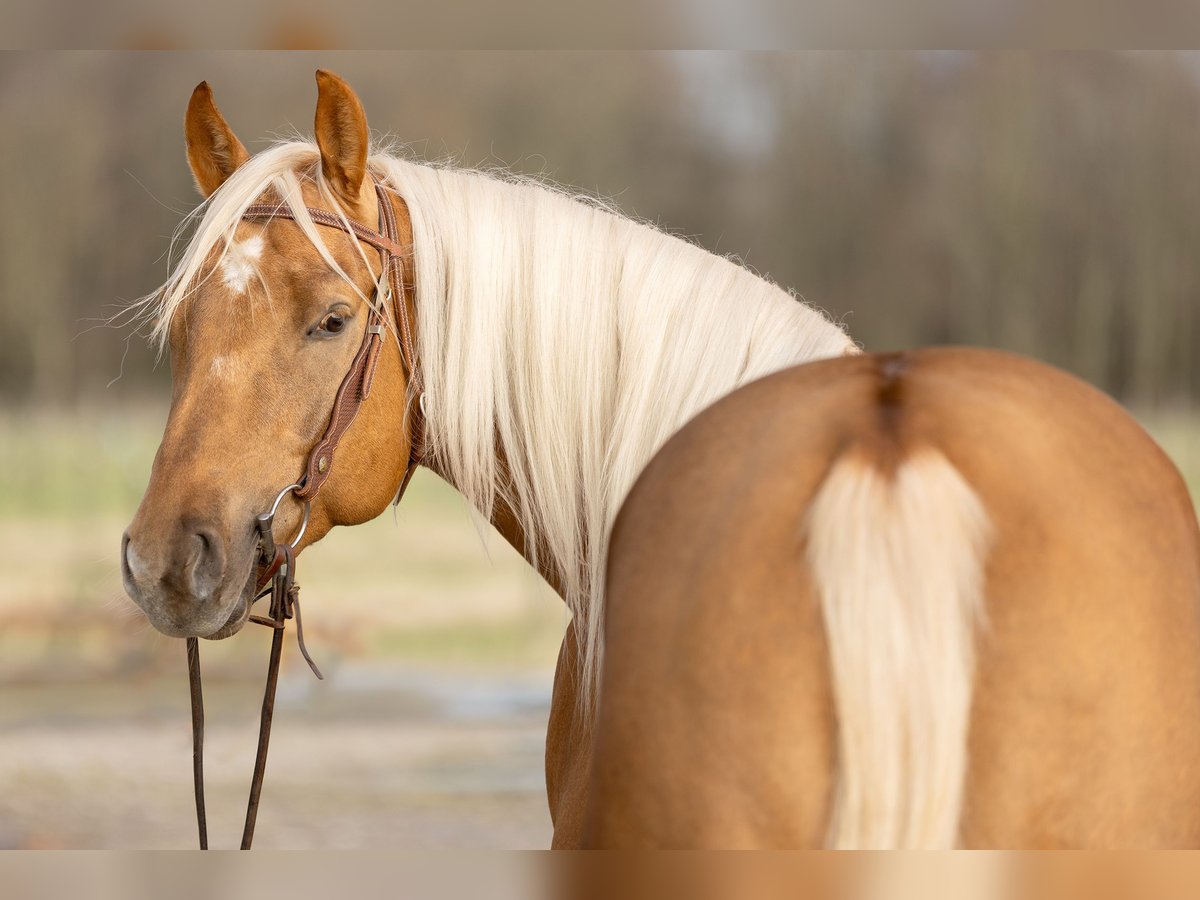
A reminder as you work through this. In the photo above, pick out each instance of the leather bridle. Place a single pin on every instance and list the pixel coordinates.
(275, 569)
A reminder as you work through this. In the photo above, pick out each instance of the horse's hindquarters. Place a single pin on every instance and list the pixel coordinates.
(719, 722)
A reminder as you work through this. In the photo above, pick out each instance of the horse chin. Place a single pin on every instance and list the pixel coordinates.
(239, 615)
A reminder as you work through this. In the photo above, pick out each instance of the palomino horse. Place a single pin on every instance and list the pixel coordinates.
(932, 599)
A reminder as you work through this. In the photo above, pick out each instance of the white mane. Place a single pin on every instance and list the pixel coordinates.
(572, 340)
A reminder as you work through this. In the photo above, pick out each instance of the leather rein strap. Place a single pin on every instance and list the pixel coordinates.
(276, 569)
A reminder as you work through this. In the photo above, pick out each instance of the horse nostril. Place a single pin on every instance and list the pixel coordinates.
(134, 570)
(206, 564)
(126, 573)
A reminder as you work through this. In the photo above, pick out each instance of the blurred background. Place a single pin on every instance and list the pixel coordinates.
(1043, 203)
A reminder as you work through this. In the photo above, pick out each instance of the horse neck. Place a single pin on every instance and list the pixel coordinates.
(507, 522)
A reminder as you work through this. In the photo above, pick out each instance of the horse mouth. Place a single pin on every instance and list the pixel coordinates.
(240, 614)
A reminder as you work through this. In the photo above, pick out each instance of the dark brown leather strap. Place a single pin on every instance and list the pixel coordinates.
(284, 597)
(416, 413)
(382, 242)
(395, 280)
(264, 738)
(277, 565)
(285, 604)
(356, 386)
(197, 698)
(267, 572)
(351, 393)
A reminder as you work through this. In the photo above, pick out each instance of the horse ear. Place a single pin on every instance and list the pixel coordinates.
(342, 135)
(213, 150)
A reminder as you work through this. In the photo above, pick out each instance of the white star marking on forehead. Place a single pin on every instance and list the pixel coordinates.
(238, 266)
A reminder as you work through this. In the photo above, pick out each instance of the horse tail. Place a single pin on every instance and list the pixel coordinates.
(897, 555)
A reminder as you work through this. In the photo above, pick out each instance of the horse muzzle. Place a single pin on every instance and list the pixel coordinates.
(184, 583)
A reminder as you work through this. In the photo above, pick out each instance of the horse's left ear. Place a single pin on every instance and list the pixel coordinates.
(342, 135)
(213, 150)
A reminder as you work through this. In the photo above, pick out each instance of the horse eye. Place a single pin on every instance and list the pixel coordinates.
(333, 323)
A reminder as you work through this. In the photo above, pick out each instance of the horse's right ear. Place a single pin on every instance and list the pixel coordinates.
(213, 150)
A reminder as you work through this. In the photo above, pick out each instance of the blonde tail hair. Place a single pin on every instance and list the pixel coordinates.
(898, 561)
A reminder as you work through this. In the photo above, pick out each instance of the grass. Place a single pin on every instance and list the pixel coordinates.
(414, 585)
(60, 466)
(514, 641)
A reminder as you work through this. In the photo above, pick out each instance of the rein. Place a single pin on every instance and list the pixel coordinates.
(275, 571)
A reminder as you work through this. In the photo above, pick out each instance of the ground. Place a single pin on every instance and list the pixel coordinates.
(428, 731)
(438, 649)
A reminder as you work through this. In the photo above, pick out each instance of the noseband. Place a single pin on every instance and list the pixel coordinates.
(275, 569)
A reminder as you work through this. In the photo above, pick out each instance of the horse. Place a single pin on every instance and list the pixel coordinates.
(819, 597)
